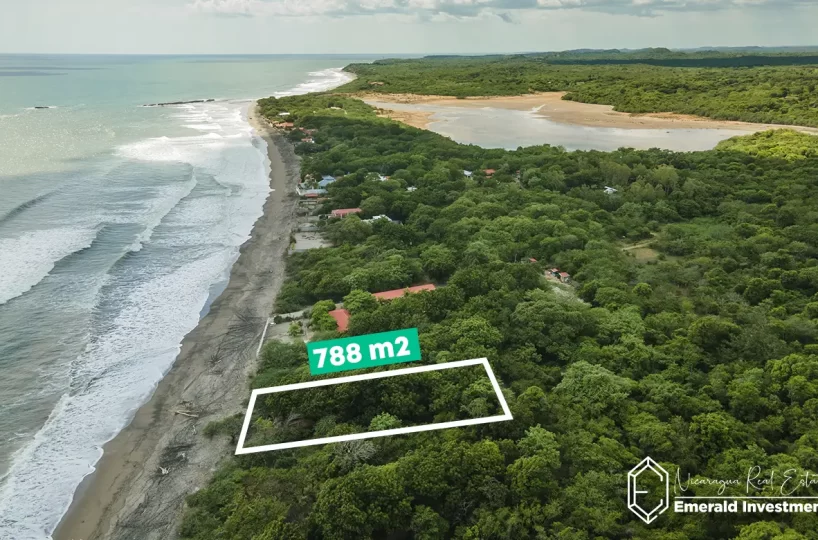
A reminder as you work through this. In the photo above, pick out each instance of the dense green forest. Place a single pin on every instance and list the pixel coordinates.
(688, 335)
(715, 85)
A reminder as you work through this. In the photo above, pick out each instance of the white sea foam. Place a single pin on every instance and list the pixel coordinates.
(204, 127)
(120, 371)
(320, 81)
(204, 223)
(27, 259)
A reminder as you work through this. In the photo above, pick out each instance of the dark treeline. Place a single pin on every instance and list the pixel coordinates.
(688, 335)
(730, 61)
(766, 93)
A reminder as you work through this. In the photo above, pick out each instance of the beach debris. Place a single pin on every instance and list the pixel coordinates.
(163, 470)
(184, 413)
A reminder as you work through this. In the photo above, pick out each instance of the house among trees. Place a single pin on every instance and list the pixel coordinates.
(468, 174)
(376, 218)
(341, 317)
(326, 180)
(489, 172)
(344, 212)
(564, 277)
(610, 191)
(411, 189)
(398, 293)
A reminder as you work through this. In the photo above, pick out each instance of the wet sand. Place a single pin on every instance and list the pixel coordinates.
(138, 489)
(550, 105)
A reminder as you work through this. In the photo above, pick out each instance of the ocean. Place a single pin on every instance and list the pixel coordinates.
(119, 224)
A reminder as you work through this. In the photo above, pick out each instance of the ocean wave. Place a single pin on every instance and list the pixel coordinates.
(161, 210)
(320, 81)
(112, 379)
(20, 208)
(28, 259)
(203, 224)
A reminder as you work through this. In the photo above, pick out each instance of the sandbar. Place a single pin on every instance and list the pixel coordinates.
(550, 105)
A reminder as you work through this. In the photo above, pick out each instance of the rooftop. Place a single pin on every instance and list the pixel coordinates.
(398, 293)
(341, 316)
(341, 212)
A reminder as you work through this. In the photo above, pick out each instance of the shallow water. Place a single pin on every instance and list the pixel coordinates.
(505, 128)
(118, 223)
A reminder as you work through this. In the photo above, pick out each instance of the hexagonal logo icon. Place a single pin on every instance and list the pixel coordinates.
(648, 490)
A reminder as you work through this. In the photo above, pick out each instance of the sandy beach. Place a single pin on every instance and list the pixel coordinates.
(140, 483)
(551, 105)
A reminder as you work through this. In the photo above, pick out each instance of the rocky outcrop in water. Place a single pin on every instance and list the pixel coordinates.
(179, 102)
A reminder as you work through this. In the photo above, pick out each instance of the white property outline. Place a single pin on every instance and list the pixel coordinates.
(240, 449)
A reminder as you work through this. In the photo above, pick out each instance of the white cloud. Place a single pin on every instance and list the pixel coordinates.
(465, 8)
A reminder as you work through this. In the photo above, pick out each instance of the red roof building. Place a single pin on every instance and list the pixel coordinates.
(532, 260)
(489, 172)
(343, 212)
(341, 316)
(398, 293)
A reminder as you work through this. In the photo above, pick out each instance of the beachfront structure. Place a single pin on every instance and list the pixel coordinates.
(284, 114)
(610, 191)
(344, 212)
(308, 140)
(311, 193)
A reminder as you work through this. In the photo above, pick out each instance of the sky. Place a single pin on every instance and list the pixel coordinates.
(396, 26)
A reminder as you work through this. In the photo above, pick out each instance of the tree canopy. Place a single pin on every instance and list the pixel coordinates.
(703, 354)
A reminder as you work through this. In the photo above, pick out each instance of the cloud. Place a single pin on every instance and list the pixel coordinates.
(466, 8)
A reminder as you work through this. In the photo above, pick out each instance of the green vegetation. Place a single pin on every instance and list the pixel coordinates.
(705, 358)
(784, 144)
(718, 86)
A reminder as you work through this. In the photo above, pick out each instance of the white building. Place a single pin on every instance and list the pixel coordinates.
(376, 218)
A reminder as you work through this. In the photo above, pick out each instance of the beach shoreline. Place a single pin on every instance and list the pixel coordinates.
(139, 485)
(551, 106)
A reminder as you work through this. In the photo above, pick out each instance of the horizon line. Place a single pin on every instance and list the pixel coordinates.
(439, 53)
